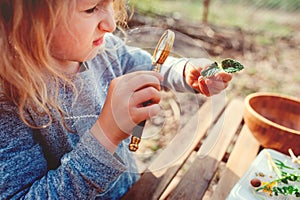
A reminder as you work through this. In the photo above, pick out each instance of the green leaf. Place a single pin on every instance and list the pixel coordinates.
(231, 66)
(211, 70)
(227, 65)
(281, 165)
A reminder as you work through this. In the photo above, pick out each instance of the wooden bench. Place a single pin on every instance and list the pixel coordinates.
(215, 135)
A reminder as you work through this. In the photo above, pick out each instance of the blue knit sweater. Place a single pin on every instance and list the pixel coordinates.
(53, 163)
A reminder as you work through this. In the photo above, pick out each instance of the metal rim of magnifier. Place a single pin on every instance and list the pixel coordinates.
(164, 46)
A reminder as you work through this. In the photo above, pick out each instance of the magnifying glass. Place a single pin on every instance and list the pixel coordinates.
(160, 54)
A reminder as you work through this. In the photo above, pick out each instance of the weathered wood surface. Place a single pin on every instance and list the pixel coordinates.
(160, 173)
(215, 128)
(195, 182)
(244, 152)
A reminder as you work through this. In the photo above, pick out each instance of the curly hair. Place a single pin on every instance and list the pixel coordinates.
(29, 77)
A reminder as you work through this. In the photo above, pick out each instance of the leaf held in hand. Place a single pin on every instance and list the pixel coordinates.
(211, 70)
(227, 65)
(231, 66)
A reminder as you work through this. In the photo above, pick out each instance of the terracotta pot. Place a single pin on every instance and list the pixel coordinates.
(274, 120)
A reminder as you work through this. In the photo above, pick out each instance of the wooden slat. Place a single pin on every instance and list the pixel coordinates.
(160, 173)
(247, 146)
(196, 180)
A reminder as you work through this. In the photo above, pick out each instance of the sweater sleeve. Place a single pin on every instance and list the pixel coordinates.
(86, 170)
(173, 70)
(136, 59)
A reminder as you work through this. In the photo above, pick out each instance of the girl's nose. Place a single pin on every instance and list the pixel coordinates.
(108, 23)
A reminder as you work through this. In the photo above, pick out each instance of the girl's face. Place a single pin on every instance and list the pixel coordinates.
(81, 37)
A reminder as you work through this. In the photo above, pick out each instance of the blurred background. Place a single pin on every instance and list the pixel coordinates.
(264, 35)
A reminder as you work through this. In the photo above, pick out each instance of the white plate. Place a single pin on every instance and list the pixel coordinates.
(243, 189)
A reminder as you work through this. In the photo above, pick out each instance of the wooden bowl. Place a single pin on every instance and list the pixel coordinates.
(274, 120)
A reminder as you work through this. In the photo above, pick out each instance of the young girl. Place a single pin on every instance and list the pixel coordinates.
(70, 95)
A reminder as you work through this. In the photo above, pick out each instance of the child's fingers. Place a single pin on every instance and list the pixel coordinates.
(149, 111)
(140, 81)
(203, 87)
(222, 76)
(149, 94)
(210, 87)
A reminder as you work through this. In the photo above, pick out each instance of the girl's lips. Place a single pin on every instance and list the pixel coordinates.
(98, 42)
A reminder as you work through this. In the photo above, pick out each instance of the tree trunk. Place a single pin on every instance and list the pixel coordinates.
(205, 10)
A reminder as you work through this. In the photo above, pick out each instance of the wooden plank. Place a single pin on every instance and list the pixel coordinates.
(244, 152)
(196, 180)
(156, 178)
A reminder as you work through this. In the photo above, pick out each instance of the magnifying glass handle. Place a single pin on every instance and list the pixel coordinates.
(160, 54)
(138, 131)
(136, 136)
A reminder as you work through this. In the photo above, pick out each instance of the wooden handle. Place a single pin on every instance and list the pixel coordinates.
(136, 136)
(134, 143)
(161, 52)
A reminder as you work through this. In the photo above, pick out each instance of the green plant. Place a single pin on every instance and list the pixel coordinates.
(283, 184)
(227, 65)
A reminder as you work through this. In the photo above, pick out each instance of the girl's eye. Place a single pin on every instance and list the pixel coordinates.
(91, 10)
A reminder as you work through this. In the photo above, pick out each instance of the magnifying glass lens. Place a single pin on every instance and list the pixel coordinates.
(163, 48)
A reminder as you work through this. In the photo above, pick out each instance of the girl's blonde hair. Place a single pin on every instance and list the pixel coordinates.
(29, 77)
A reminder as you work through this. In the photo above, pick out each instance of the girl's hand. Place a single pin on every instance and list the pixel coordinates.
(207, 86)
(124, 108)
